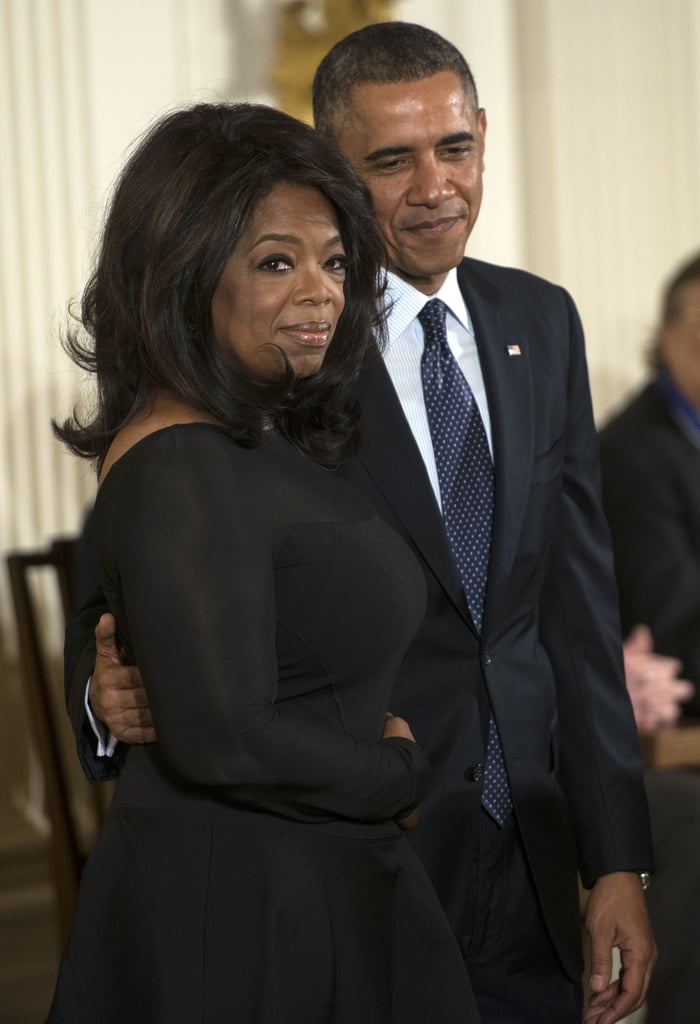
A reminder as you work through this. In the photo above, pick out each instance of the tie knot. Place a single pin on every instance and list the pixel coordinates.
(432, 320)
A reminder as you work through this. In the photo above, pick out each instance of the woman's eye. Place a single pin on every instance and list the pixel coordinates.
(338, 263)
(275, 263)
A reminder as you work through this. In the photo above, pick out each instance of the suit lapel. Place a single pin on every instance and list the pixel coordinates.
(390, 455)
(509, 392)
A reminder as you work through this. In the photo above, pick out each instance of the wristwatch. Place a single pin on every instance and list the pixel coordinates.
(645, 879)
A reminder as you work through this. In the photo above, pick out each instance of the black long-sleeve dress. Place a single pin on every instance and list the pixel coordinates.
(250, 869)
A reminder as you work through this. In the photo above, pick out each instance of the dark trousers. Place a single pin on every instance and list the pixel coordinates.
(514, 970)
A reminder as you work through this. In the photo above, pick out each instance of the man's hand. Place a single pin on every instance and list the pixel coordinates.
(652, 681)
(117, 696)
(616, 916)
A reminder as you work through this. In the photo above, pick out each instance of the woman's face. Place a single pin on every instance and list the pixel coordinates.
(283, 284)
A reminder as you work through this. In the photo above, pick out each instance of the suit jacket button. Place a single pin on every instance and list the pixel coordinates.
(487, 659)
(475, 773)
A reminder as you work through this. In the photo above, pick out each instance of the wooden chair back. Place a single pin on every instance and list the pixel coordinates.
(47, 717)
(677, 746)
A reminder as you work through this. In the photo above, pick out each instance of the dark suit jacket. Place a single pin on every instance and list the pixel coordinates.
(549, 656)
(651, 493)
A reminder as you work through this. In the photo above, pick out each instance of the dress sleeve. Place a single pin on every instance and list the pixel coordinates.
(192, 563)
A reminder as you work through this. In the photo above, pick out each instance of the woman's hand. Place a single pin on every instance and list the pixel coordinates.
(395, 726)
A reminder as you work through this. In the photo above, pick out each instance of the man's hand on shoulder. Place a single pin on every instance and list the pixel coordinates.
(616, 917)
(117, 695)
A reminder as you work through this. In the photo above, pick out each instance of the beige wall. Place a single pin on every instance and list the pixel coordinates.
(593, 164)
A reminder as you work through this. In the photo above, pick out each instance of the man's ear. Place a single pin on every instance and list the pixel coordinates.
(482, 124)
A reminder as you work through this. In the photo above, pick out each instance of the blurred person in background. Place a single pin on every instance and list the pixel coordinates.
(650, 458)
(658, 695)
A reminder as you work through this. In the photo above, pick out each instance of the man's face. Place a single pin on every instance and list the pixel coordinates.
(680, 345)
(419, 146)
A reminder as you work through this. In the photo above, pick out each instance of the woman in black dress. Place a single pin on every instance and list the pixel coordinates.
(252, 867)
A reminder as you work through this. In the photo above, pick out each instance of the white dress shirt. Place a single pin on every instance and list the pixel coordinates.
(405, 349)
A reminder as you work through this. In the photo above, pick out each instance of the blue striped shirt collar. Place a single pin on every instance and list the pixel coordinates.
(407, 303)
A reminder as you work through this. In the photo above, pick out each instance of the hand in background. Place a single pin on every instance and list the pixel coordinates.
(395, 726)
(655, 690)
(117, 695)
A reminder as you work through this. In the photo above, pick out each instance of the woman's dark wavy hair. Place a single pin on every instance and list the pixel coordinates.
(179, 208)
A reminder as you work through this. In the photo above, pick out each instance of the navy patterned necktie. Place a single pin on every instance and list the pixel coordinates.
(465, 474)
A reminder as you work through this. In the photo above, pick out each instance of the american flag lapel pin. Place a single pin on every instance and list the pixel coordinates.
(513, 350)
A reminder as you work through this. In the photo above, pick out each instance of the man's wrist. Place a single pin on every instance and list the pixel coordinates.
(105, 742)
(645, 879)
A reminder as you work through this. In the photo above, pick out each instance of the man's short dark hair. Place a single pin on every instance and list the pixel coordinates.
(391, 51)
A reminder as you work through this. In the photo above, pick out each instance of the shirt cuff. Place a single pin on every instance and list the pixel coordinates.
(106, 742)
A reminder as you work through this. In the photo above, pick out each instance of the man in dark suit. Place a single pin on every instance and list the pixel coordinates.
(650, 454)
(515, 687)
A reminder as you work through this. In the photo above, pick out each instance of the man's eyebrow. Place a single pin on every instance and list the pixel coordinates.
(386, 152)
